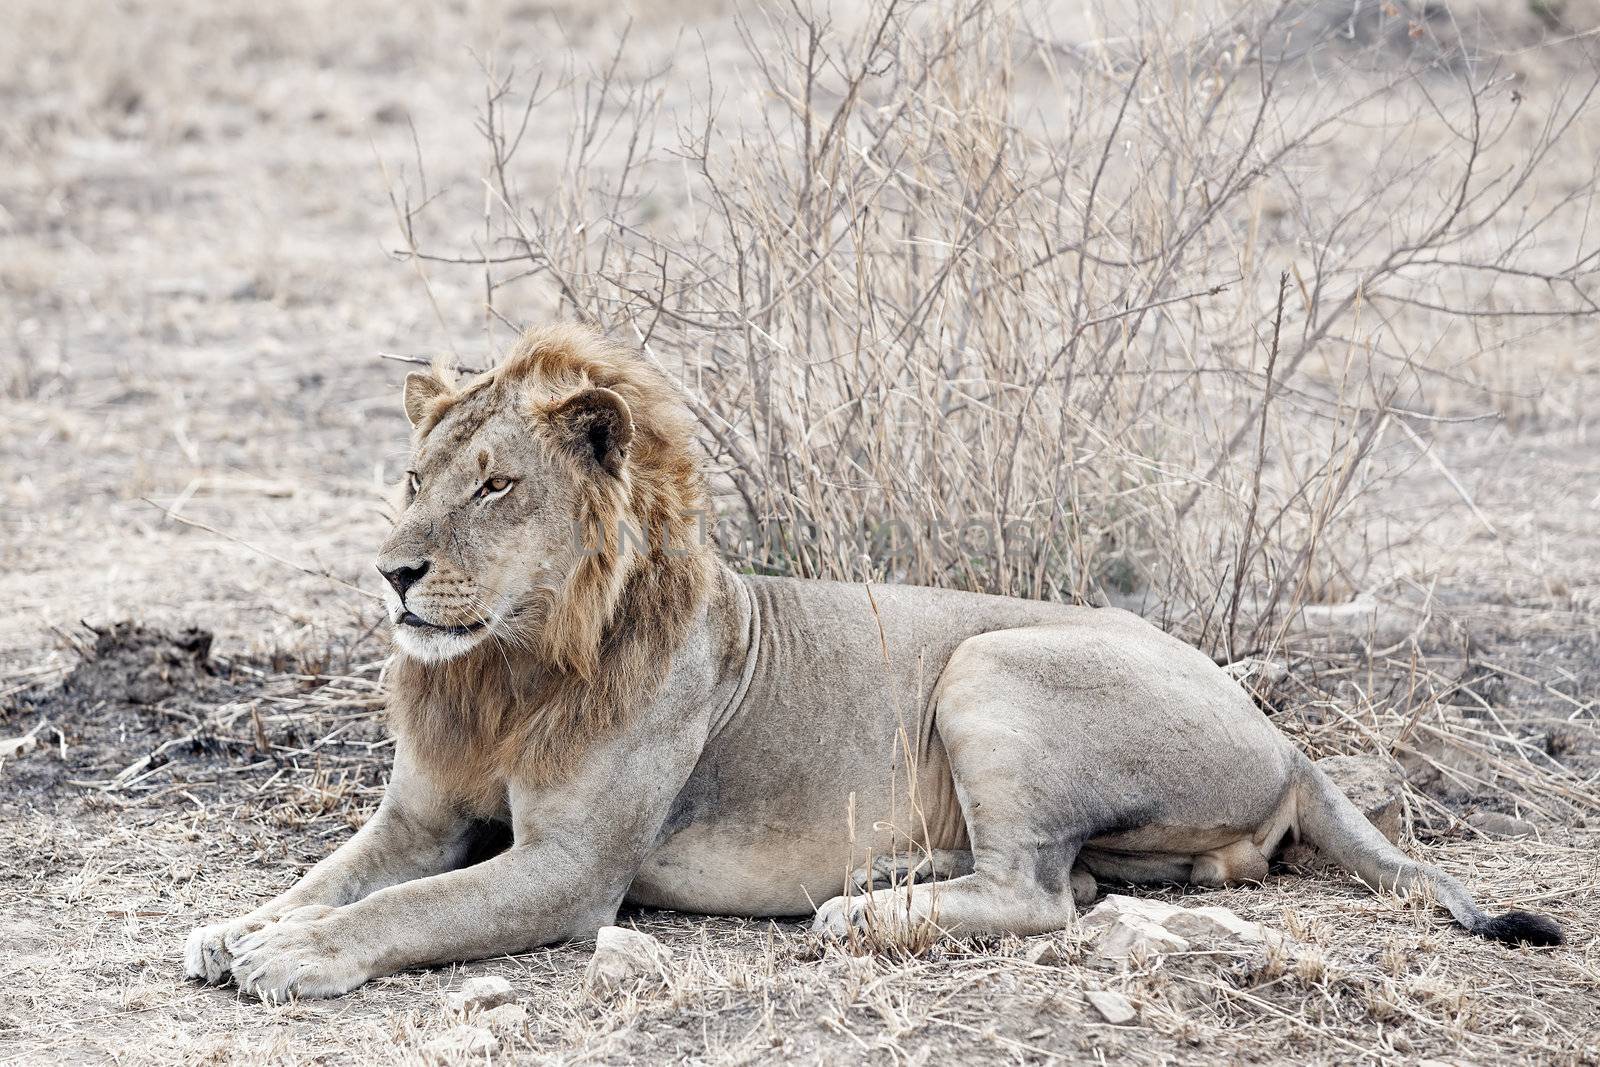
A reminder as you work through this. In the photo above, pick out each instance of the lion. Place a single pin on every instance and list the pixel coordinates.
(577, 672)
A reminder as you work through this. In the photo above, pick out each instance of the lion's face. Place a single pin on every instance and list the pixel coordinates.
(490, 530)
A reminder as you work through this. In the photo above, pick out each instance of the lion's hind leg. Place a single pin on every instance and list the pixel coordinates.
(1022, 799)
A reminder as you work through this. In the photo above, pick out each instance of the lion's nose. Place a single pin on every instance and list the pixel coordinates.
(404, 576)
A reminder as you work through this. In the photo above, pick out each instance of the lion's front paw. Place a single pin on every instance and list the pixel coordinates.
(300, 956)
(207, 956)
(836, 917)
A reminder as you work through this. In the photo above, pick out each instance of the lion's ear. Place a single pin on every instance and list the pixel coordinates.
(421, 390)
(597, 425)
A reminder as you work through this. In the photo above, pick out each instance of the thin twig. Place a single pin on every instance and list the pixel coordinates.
(1243, 559)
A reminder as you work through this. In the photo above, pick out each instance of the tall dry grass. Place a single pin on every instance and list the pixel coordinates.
(960, 301)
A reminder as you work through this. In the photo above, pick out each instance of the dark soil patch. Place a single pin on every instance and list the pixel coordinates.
(130, 663)
(141, 700)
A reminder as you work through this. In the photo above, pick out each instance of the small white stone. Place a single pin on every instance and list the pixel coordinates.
(463, 1040)
(1046, 953)
(1258, 674)
(17, 746)
(1132, 936)
(482, 993)
(623, 956)
(1114, 1008)
(1124, 924)
(505, 1017)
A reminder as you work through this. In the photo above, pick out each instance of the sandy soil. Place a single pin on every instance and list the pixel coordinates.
(194, 286)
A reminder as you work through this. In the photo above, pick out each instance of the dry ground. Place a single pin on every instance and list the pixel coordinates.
(193, 287)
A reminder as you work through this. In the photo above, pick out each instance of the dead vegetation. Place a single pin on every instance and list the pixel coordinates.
(970, 264)
(957, 303)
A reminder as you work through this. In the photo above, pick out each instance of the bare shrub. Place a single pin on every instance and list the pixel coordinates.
(1123, 342)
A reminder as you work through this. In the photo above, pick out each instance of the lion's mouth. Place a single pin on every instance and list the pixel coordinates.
(411, 618)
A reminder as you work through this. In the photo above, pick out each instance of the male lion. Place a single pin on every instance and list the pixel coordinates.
(652, 727)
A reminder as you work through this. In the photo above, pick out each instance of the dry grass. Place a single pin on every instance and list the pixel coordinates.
(1371, 979)
(917, 264)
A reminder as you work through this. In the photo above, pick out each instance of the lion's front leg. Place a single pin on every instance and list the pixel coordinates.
(579, 841)
(528, 896)
(578, 846)
(381, 854)
(413, 834)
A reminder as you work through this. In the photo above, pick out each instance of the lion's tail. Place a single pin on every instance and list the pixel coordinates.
(1337, 828)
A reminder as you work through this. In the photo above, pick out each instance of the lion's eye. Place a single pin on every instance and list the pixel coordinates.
(415, 481)
(494, 486)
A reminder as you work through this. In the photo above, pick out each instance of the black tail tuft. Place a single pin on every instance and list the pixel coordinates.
(1522, 928)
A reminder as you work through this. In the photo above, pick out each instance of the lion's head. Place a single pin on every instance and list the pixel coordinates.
(537, 491)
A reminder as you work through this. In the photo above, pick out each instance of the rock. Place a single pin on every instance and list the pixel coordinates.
(1045, 953)
(1114, 1008)
(17, 746)
(460, 1041)
(1373, 785)
(481, 994)
(623, 956)
(1214, 923)
(1116, 906)
(1266, 670)
(1496, 825)
(1130, 936)
(505, 1017)
(1259, 676)
(1128, 926)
